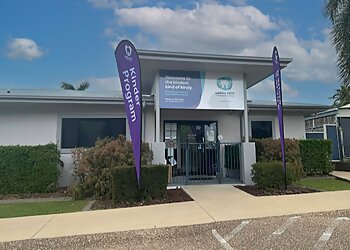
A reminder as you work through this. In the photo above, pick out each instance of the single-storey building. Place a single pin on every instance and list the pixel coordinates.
(196, 116)
(333, 124)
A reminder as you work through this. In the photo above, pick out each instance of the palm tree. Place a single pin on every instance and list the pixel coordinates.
(82, 86)
(338, 11)
(342, 96)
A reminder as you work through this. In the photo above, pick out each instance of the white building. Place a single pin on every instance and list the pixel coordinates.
(195, 115)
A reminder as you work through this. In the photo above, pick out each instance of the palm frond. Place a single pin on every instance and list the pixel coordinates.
(83, 86)
(68, 86)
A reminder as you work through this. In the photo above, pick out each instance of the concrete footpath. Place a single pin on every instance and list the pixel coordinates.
(342, 175)
(211, 203)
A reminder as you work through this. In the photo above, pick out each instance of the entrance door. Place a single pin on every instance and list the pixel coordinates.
(194, 156)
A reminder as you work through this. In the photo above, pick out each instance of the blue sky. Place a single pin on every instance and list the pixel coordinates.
(45, 42)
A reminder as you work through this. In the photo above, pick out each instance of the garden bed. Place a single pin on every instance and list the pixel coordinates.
(60, 193)
(292, 189)
(172, 195)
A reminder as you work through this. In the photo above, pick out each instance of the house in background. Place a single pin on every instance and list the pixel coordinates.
(196, 116)
(333, 124)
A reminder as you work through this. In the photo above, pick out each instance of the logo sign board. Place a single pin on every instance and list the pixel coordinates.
(179, 89)
(130, 79)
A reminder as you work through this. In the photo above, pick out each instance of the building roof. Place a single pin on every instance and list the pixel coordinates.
(307, 108)
(347, 106)
(115, 97)
(256, 69)
(63, 96)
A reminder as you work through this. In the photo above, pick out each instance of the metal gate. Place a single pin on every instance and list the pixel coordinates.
(210, 162)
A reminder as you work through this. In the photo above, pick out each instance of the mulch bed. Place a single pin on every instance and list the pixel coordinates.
(256, 191)
(60, 193)
(172, 195)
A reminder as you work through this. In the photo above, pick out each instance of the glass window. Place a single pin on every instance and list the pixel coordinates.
(83, 132)
(261, 129)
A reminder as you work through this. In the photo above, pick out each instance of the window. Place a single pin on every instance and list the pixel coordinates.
(83, 132)
(261, 129)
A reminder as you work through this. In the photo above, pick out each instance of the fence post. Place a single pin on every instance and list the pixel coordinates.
(187, 163)
(218, 163)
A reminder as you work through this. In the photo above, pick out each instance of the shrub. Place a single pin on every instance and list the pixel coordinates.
(270, 174)
(94, 166)
(316, 156)
(270, 150)
(28, 169)
(154, 181)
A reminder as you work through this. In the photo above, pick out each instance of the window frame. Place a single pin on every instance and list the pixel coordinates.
(85, 116)
(262, 119)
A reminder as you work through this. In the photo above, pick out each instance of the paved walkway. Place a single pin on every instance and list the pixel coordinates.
(212, 203)
(341, 174)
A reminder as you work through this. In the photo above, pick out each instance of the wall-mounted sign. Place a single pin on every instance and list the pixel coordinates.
(180, 89)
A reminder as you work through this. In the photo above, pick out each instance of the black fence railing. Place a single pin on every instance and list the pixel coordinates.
(204, 162)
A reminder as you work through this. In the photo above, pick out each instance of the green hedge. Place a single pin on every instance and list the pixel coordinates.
(270, 174)
(28, 169)
(316, 156)
(154, 181)
(270, 150)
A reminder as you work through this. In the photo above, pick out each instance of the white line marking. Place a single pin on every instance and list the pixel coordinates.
(328, 232)
(287, 224)
(236, 230)
(222, 241)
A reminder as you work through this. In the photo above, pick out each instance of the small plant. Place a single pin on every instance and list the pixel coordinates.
(270, 150)
(270, 174)
(94, 166)
(154, 182)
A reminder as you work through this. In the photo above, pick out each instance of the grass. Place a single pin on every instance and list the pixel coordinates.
(40, 208)
(324, 184)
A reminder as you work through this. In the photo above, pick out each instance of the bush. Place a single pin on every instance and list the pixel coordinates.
(154, 181)
(270, 150)
(94, 166)
(316, 156)
(270, 174)
(29, 169)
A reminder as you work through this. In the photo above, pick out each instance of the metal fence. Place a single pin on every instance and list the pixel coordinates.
(204, 163)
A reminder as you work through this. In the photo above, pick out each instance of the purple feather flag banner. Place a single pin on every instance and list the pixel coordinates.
(278, 91)
(130, 80)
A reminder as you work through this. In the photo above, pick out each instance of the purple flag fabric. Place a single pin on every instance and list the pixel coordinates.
(278, 92)
(130, 80)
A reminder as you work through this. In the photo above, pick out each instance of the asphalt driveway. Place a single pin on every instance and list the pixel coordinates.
(327, 230)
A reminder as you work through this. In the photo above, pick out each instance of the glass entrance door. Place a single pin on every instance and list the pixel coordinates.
(192, 145)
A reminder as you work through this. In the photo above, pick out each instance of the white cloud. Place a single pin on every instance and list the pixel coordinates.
(104, 83)
(23, 48)
(265, 90)
(224, 29)
(208, 27)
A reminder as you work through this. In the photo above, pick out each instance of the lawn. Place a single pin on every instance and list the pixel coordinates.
(40, 208)
(324, 184)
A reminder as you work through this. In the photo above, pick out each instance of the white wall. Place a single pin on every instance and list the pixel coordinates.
(229, 124)
(149, 124)
(294, 123)
(32, 128)
(294, 126)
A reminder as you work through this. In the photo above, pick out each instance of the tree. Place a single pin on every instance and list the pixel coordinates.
(82, 86)
(338, 11)
(342, 96)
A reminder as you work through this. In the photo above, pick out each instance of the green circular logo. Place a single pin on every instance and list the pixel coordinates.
(224, 83)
